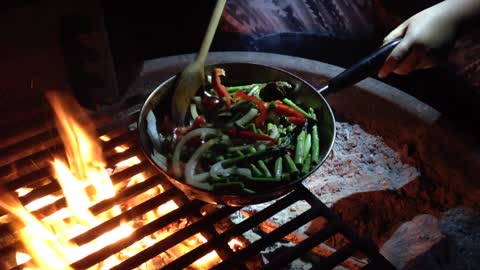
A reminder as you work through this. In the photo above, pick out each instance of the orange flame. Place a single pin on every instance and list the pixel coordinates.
(84, 153)
(42, 243)
(85, 181)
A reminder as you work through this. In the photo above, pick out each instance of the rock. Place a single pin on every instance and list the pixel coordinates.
(418, 244)
(462, 227)
(452, 242)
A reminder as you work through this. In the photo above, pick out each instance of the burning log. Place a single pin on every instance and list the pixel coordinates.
(322, 251)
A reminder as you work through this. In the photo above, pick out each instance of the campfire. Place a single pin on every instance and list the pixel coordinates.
(54, 238)
(78, 193)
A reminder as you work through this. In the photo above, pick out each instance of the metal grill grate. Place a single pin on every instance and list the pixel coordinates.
(25, 160)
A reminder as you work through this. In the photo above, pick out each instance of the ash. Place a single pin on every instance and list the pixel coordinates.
(359, 162)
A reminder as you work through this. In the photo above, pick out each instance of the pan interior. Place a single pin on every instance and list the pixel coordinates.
(241, 74)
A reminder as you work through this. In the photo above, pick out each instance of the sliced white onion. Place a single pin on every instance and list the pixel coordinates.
(252, 113)
(198, 102)
(217, 170)
(254, 89)
(160, 159)
(201, 177)
(192, 164)
(199, 132)
(193, 110)
(155, 137)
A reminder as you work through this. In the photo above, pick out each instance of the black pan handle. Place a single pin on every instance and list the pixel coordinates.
(361, 70)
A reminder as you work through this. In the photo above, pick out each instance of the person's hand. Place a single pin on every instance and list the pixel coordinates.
(425, 38)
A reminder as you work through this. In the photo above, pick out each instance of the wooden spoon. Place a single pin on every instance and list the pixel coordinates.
(193, 76)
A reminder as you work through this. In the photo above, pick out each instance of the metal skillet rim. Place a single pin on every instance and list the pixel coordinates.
(233, 199)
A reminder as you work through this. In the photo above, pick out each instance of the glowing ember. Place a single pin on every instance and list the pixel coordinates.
(85, 181)
(206, 261)
(235, 244)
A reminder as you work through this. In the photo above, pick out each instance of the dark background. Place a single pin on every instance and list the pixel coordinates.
(94, 48)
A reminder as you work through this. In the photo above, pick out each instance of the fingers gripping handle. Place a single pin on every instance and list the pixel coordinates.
(362, 69)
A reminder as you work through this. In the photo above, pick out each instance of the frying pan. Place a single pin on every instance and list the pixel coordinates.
(302, 93)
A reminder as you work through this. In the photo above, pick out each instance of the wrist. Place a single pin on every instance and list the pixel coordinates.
(461, 11)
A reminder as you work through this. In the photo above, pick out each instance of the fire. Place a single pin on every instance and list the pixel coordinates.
(126, 163)
(85, 181)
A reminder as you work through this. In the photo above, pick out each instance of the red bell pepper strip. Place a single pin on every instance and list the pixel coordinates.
(197, 123)
(210, 102)
(296, 117)
(247, 134)
(297, 121)
(218, 87)
(262, 112)
(286, 110)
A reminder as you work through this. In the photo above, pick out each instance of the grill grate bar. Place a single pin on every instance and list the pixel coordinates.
(29, 179)
(54, 187)
(303, 247)
(38, 175)
(223, 249)
(127, 138)
(44, 121)
(130, 172)
(118, 123)
(365, 245)
(100, 207)
(29, 146)
(238, 229)
(39, 136)
(148, 229)
(324, 211)
(336, 258)
(174, 239)
(127, 215)
(18, 133)
(129, 153)
(40, 192)
(118, 220)
(130, 192)
(33, 162)
(25, 159)
(40, 156)
(269, 239)
(31, 166)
